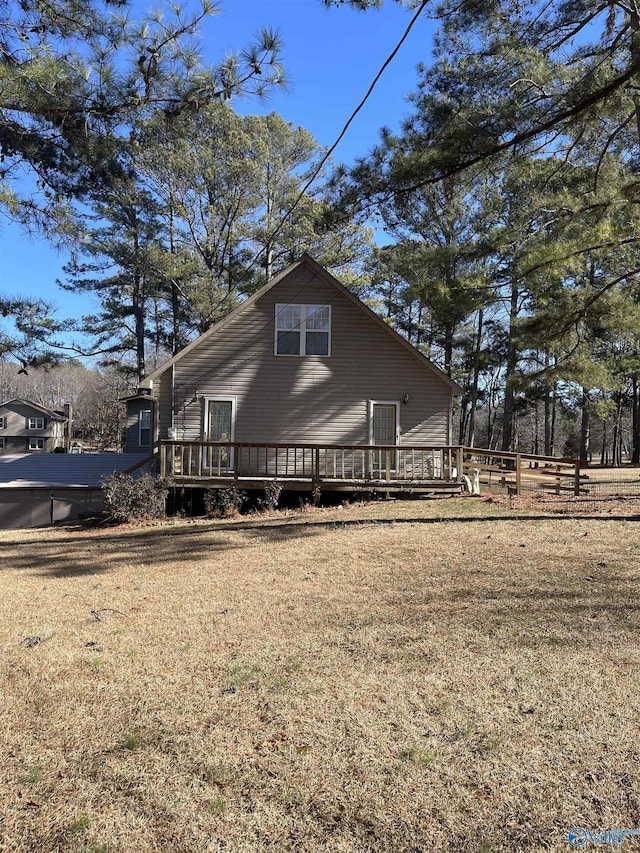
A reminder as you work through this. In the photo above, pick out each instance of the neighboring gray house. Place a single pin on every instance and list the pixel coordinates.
(27, 427)
(303, 360)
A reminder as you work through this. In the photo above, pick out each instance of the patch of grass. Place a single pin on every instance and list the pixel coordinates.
(34, 774)
(81, 824)
(131, 741)
(417, 754)
(242, 674)
(216, 774)
(380, 678)
(215, 806)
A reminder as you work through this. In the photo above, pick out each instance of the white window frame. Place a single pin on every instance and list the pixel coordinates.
(140, 413)
(395, 403)
(3, 421)
(373, 403)
(230, 462)
(39, 423)
(302, 328)
(205, 411)
(39, 442)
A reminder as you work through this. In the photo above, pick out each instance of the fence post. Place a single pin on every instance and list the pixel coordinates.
(518, 473)
(576, 478)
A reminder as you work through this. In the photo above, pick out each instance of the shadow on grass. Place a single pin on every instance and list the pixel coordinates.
(85, 553)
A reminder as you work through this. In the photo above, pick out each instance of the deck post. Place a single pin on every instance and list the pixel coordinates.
(518, 473)
(316, 464)
(388, 465)
(459, 463)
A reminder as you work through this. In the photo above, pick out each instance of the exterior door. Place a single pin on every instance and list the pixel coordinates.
(384, 429)
(219, 426)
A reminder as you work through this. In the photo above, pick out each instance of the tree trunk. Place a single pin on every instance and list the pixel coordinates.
(616, 440)
(448, 348)
(511, 365)
(585, 428)
(473, 402)
(635, 418)
(176, 343)
(138, 315)
(138, 306)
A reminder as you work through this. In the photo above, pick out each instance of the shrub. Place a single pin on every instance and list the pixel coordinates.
(270, 496)
(223, 503)
(130, 499)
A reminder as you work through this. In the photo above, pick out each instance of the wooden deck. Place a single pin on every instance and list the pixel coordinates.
(353, 467)
(304, 467)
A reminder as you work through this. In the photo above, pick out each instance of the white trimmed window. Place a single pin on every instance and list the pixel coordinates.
(3, 422)
(36, 444)
(35, 423)
(144, 427)
(303, 330)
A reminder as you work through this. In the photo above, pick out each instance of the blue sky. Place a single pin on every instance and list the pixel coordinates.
(331, 56)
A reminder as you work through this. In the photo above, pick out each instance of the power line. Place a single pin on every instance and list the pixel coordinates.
(327, 154)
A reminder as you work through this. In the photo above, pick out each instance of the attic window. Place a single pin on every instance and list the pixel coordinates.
(303, 330)
(35, 423)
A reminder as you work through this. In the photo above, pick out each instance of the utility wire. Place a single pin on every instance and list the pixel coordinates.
(327, 154)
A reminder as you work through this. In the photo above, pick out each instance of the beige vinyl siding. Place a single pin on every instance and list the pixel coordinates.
(308, 398)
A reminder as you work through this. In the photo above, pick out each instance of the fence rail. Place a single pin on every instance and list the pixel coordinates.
(520, 472)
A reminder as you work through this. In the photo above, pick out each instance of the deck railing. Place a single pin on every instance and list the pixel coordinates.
(196, 460)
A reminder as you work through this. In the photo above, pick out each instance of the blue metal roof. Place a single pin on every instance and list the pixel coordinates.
(87, 470)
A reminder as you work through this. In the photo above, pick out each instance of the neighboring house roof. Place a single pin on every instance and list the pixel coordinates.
(86, 470)
(38, 408)
(315, 267)
(130, 397)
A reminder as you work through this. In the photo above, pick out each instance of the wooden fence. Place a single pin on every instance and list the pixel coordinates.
(520, 472)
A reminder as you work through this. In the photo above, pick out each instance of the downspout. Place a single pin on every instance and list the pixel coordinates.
(173, 394)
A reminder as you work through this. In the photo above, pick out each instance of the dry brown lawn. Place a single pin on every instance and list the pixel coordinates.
(453, 675)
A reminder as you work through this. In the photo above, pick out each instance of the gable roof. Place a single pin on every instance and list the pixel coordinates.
(305, 260)
(38, 408)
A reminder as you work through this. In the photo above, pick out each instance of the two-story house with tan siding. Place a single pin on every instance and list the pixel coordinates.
(301, 380)
(27, 427)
